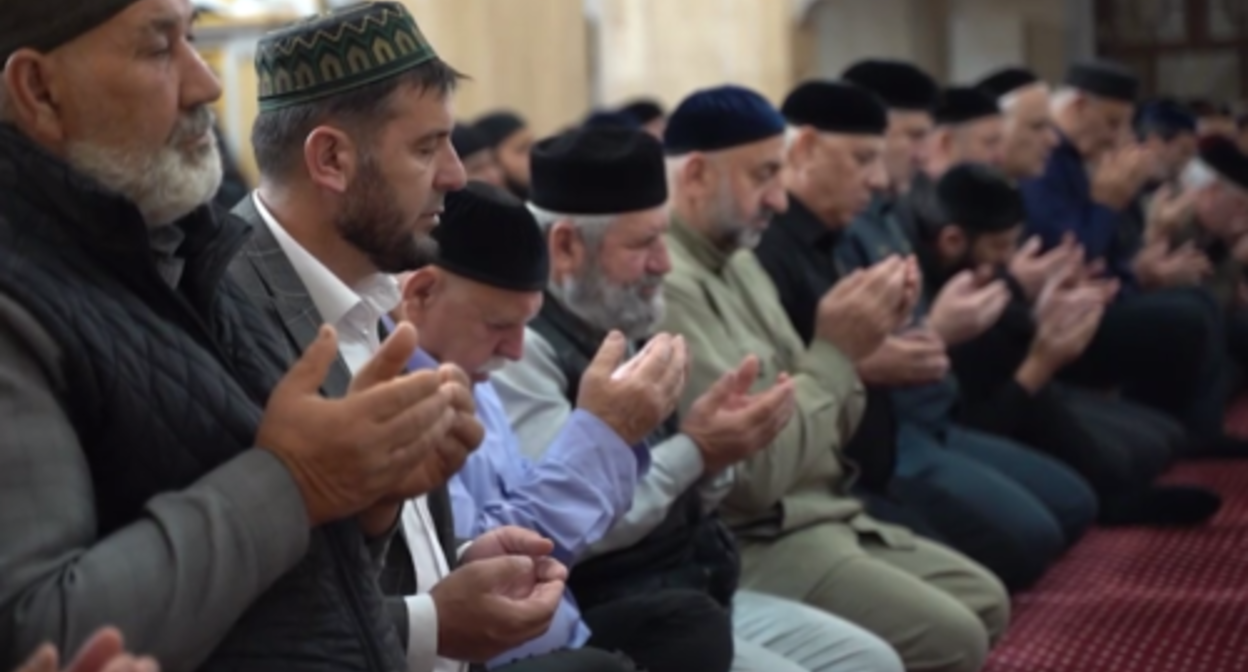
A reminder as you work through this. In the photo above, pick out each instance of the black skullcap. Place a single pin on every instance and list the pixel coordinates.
(720, 118)
(1003, 82)
(467, 140)
(498, 126)
(607, 118)
(963, 104)
(643, 111)
(901, 85)
(1224, 157)
(836, 107)
(598, 171)
(979, 199)
(488, 235)
(46, 25)
(1104, 79)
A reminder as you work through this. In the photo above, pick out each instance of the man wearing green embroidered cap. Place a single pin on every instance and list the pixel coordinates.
(355, 156)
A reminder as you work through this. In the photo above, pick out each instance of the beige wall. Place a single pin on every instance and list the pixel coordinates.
(955, 40)
(669, 48)
(529, 55)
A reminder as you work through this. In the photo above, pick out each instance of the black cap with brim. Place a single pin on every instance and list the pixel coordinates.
(1104, 79)
(598, 171)
(836, 107)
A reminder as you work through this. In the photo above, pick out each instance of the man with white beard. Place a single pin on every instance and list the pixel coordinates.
(155, 473)
(600, 195)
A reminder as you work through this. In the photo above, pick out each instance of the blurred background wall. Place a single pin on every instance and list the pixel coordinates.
(555, 60)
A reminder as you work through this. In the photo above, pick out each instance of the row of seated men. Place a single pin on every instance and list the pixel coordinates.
(800, 388)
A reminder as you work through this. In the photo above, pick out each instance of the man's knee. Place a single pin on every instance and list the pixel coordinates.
(956, 641)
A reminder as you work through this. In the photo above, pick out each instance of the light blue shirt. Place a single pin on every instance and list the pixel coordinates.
(574, 495)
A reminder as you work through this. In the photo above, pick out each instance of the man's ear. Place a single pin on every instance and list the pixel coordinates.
(332, 158)
(567, 249)
(951, 241)
(419, 290)
(31, 96)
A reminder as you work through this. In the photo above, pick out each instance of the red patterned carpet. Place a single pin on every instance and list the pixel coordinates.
(1145, 600)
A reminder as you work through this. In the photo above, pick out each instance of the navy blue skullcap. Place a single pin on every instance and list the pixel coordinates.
(1164, 116)
(901, 85)
(836, 107)
(1003, 82)
(963, 104)
(715, 119)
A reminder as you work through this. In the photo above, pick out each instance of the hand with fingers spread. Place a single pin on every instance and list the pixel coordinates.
(1031, 267)
(634, 398)
(917, 357)
(491, 605)
(104, 652)
(1159, 267)
(1120, 175)
(864, 307)
(1066, 325)
(728, 424)
(967, 306)
(348, 454)
(1169, 210)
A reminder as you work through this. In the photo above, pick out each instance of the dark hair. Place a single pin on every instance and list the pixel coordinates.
(277, 137)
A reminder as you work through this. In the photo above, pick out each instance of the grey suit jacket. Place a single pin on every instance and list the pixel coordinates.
(268, 277)
(174, 581)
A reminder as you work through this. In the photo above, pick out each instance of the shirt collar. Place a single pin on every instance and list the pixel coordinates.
(699, 246)
(806, 226)
(334, 299)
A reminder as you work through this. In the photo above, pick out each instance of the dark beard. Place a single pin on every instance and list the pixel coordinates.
(371, 222)
(518, 190)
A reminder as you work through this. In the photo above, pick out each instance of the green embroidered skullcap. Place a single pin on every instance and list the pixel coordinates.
(336, 52)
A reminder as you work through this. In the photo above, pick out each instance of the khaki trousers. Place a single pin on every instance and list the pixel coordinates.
(938, 609)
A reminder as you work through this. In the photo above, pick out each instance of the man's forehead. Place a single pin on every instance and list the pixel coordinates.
(156, 15)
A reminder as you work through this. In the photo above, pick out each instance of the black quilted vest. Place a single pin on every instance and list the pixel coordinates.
(687, 550)
(166, 385)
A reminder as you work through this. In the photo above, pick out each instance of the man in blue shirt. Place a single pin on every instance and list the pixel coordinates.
(472, 307)
(1164, 346)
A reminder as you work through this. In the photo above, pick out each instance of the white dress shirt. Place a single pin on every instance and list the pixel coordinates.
(355, 312)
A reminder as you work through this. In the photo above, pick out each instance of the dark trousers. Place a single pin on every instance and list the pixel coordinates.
(1138, 443)
(579, 660)
(1004, 505)
(1166, 349)
(665, 631)
(662, 631)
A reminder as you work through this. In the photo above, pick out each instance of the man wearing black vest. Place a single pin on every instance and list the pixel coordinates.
(154, 472)
(599, 194)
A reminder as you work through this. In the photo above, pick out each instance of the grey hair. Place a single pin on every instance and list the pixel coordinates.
(592, 227)
(1198, 175)
(1063, 97)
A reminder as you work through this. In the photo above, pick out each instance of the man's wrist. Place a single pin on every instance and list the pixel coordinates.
(1035, 372)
